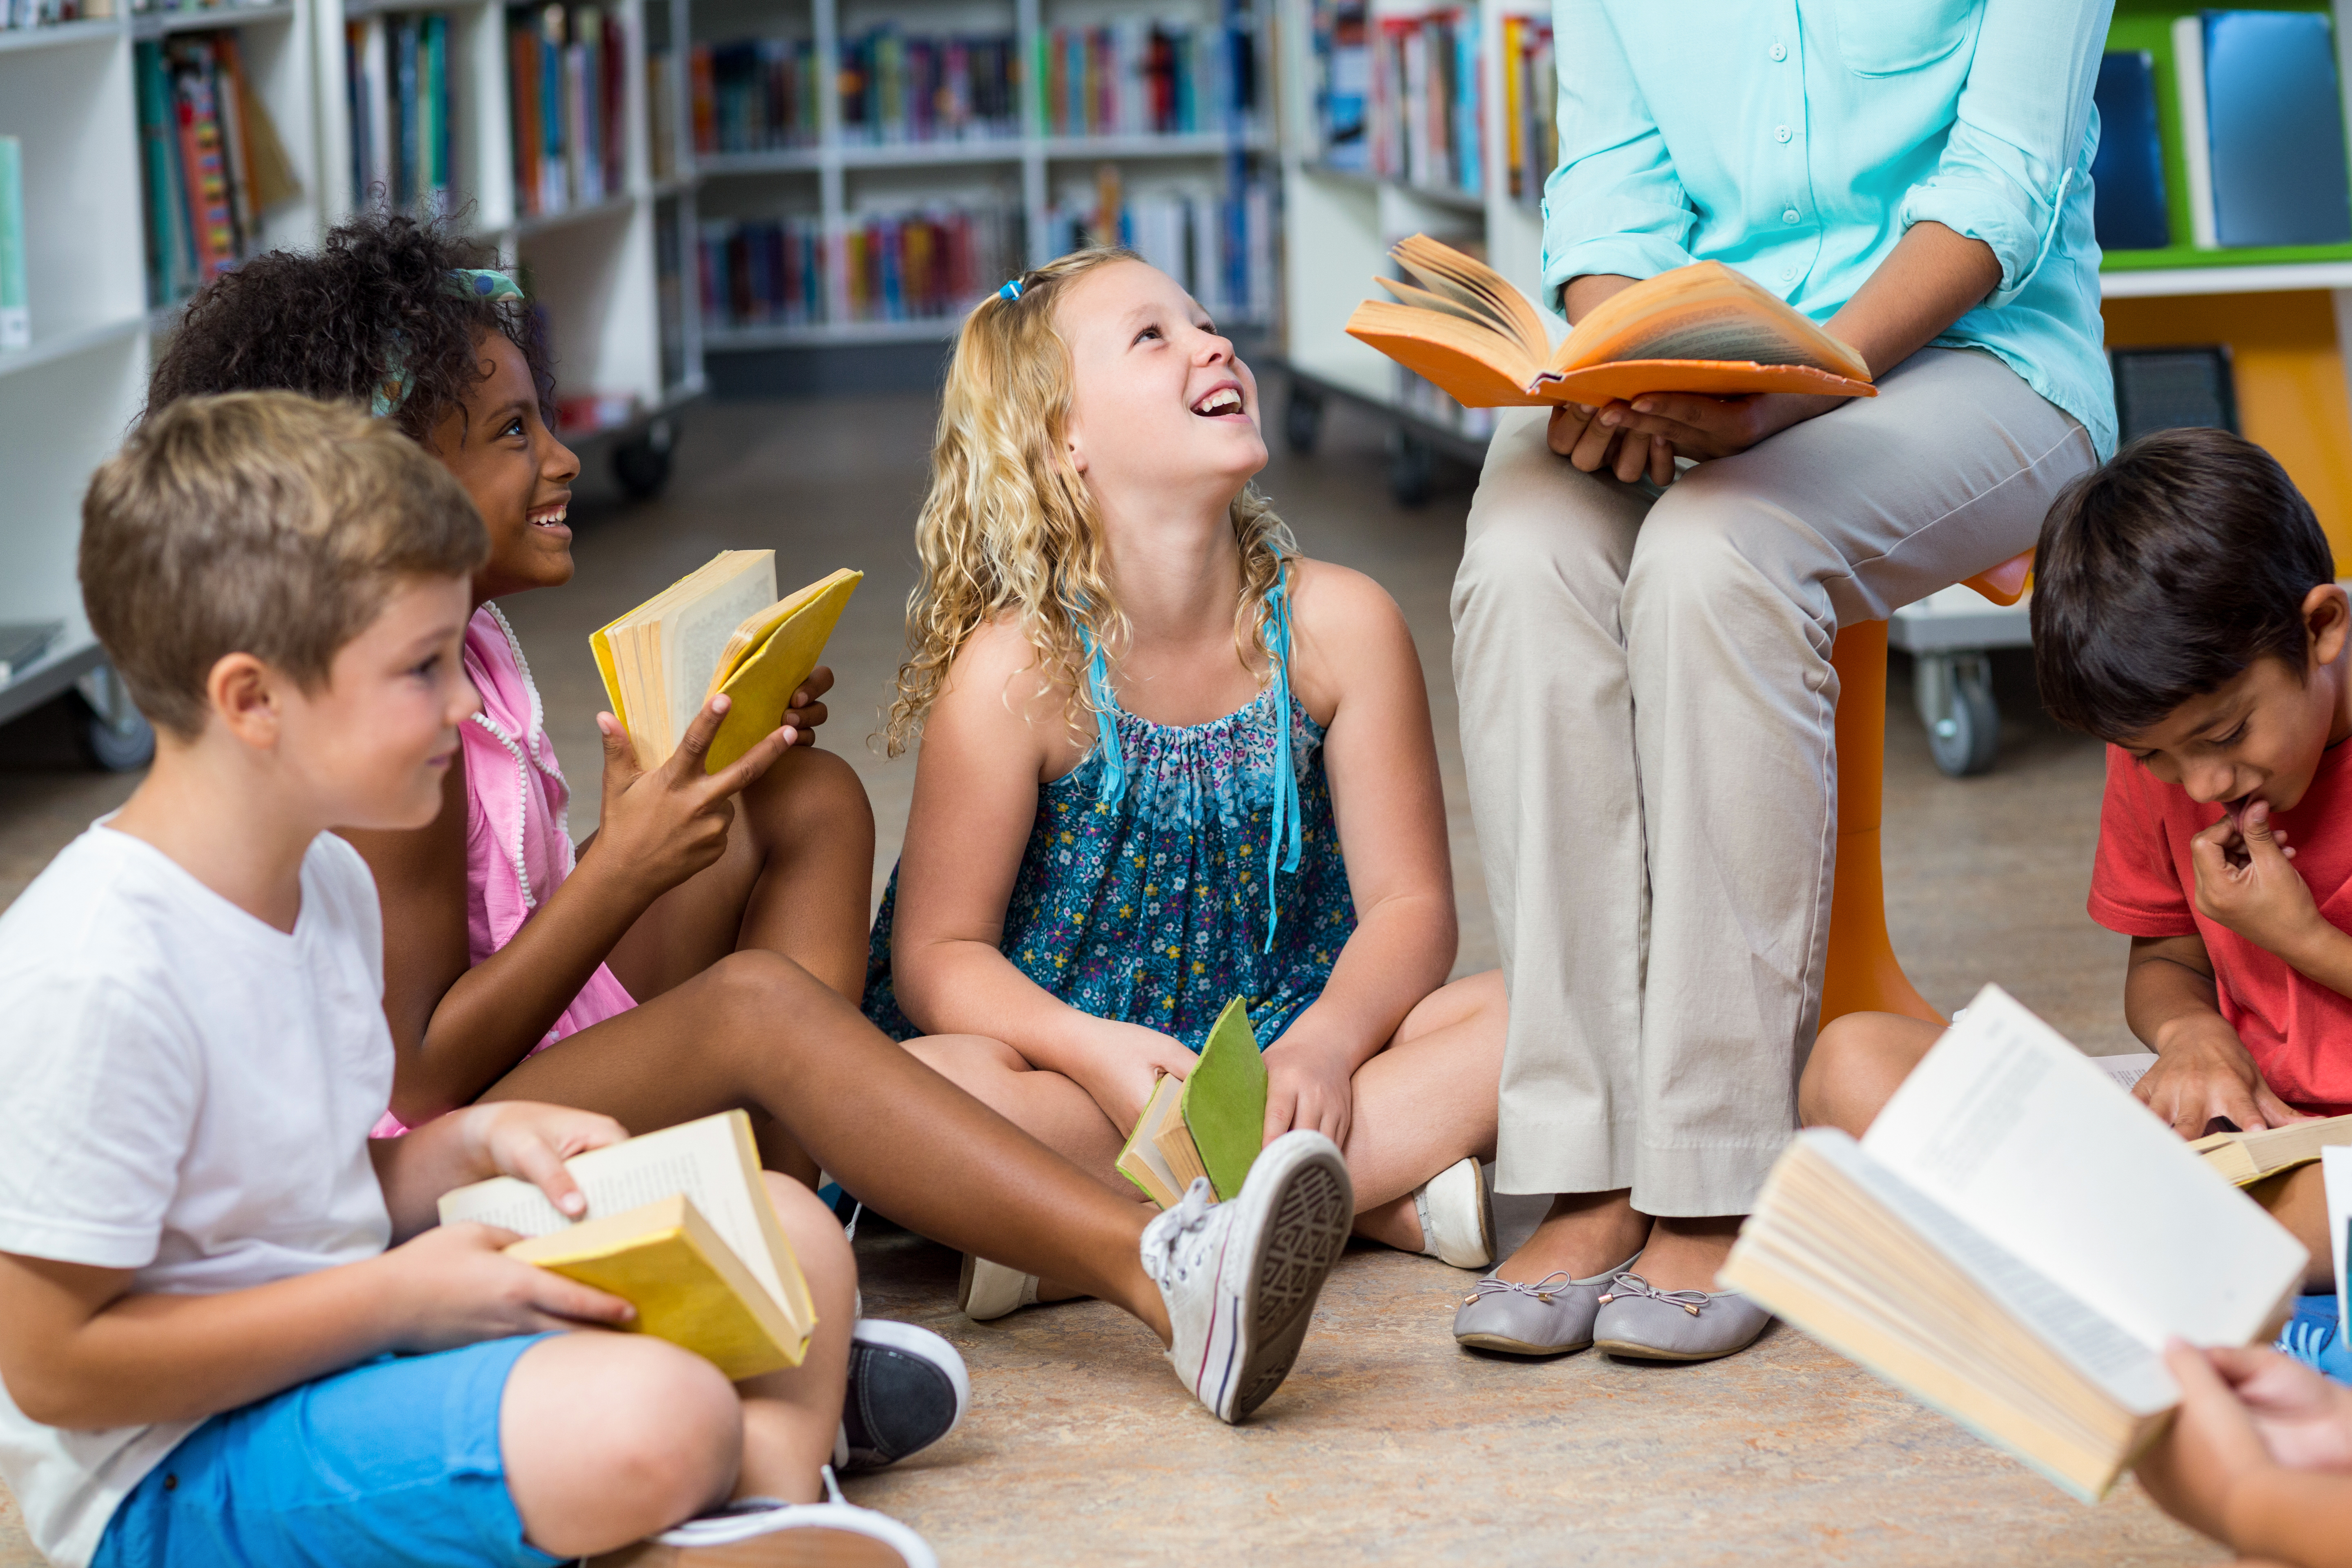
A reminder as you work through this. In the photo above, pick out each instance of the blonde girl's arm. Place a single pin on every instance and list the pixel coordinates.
(987, 742)
(1356, 661)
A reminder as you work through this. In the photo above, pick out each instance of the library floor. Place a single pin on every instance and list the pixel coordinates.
(1387, 1443)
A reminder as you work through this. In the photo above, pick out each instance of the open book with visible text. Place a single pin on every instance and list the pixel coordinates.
(2013, 1242)
(679, 1226)
(1702, 328)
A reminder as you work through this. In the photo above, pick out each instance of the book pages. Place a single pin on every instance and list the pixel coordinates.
(2022, 1138)
(702, 1160)
(695, 634)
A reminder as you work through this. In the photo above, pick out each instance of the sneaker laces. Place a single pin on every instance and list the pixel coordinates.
(1633, 1285)
(1542, 1289)
(1169, 1262)
(832, 1486)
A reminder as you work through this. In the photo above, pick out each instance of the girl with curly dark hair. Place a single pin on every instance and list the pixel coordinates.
(707, 948)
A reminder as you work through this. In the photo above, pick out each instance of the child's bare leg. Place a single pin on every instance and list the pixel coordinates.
(791, 1417)
(1051, 1108)
(609, 1437)
(1858, 1063)
(796, 879)
(2297, 1199)
(759, 1032)
(1425, 1101)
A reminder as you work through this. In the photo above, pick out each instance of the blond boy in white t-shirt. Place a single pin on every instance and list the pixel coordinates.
(229, 1331)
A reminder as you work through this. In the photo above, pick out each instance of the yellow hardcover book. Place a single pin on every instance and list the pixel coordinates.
(719, 629)
(688, 1286)
(676, 1219)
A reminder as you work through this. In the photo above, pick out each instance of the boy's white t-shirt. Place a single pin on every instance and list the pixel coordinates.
(185, 1092)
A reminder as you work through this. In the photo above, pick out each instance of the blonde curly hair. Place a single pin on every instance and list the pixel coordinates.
(1008, 524)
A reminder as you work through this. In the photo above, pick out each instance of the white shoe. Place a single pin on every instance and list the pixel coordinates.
(742, 1535)
(988, 1290)
(1457, 1217)
(1240, 1278)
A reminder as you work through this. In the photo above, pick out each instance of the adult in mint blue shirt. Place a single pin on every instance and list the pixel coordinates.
(1643, 666)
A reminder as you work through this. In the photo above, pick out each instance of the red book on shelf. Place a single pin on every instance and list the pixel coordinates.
(702, 91)
(522, 59)
(210, 216)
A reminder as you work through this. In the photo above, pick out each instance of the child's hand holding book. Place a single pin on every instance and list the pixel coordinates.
(2258, 1456)
(664, 824)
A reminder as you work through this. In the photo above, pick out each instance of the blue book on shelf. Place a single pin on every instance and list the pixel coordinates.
(2276, 120)
(2127, 176)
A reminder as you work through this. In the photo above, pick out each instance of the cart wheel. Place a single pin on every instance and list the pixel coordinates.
(1412, 465)
(114, 735)
(642, 466)
(1956, 703)
(1302, 420)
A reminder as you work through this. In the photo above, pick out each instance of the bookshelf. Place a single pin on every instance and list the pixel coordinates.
(959, 142)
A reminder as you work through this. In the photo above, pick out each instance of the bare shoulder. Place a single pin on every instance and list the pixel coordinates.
(996, 697)
(1349, 632)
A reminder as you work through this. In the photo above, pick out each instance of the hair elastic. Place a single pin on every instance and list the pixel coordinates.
(1011, 289)
(465, 283)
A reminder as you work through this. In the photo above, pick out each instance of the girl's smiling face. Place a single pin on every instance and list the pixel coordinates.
(519, 473)
(1158, 405)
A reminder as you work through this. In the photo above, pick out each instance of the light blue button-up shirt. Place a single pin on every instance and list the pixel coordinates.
(1796, 140)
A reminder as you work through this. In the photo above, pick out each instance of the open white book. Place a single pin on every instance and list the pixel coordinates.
(2013, 1242)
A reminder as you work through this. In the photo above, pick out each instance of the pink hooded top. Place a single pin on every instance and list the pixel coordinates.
(518, 842)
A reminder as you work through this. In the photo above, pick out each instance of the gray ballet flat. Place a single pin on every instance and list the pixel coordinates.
(1634, 1318)
(1551, 1317)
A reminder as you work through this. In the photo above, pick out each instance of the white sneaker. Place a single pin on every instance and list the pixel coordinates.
(988, 1290)
(1457, 1217)
(745, 1535)
(1240, 1278)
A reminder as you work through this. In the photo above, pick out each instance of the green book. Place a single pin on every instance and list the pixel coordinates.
(1212, 1123)
(15, 322)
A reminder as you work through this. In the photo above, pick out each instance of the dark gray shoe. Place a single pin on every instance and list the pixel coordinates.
(1636, 1318)
(907, 1389)
(1551, 1317)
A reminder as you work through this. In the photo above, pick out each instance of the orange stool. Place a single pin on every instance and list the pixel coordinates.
(1862, 974)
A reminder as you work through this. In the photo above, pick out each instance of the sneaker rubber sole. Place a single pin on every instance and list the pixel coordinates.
(1312, 1214)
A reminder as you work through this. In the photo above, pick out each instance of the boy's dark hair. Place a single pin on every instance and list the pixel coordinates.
(374, 301)
(2164, 574)
(259, 522)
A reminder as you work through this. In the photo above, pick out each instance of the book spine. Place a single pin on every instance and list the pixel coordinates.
(15, 313)
(236, 134)
(208, 184)
(2196, 132)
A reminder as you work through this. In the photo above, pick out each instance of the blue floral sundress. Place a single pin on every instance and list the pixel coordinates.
(1143, 893)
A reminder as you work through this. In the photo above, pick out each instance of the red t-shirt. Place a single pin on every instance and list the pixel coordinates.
(2297, 1030)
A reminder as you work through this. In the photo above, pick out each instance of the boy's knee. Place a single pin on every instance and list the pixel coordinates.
(667, 1433)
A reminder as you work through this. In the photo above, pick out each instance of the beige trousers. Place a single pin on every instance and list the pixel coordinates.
(1647, 704)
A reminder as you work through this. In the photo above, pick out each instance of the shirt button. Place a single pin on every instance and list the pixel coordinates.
(1779, 52)
(1781, 134)
(1791, 216)
(1788, 275)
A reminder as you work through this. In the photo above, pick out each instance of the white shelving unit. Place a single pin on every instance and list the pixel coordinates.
(65, 402)
(838, 179)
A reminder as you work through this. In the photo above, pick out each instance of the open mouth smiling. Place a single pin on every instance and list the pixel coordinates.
(551, 516)
(1220, 402)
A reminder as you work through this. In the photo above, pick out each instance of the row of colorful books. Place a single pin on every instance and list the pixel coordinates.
(901, 87)
(567, 65)
(1530, 108)
(1422, 119)
(925, 262)
(396, 76)
(1220, 247)
(50, 13)
(754, 95)
(1138, 78)
(210, 158)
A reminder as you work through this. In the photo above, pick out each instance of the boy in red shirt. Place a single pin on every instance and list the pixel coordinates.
(2186, 612)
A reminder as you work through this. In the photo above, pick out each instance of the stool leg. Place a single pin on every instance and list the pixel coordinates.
(1862, 974)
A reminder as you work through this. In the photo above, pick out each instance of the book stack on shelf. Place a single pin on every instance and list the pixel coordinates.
(213, 161)
(403, 115)
(1530, 149)
(753, 95)
(929, 263)
(52, 13)
(1135, 77)
(567, 67)
(1423, 120)
(1220, 249)
(897, 87)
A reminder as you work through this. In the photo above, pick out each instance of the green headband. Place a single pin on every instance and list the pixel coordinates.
(465, 283)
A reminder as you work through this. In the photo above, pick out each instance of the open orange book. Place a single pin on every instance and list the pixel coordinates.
(1702, 328)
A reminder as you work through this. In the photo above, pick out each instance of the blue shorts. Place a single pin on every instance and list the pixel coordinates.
(396, 1461)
